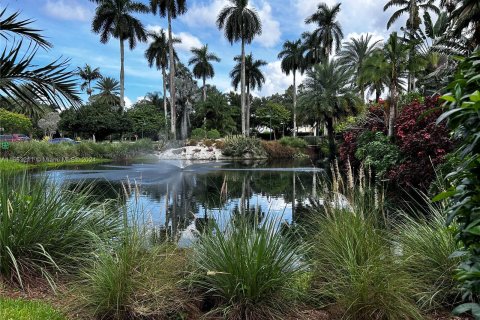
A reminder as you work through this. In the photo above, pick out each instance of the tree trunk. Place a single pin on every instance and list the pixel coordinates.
(294, 104)
(247, 110)
(204, 90)
(173, 108)
(184, 125)
(377, 95)
(122, 75)
(164, 75)
(331, 137)
(242, 92)
(393, 110)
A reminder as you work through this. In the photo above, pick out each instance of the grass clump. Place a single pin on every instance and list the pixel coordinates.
(16, 309)
(47, 228)
(11, 165)
(293, 142)
(247, 271)
(243, 147)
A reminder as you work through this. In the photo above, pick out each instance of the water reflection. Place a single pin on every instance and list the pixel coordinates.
(179, 198)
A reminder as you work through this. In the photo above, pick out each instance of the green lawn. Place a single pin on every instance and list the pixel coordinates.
(18, 309)
(12, 165)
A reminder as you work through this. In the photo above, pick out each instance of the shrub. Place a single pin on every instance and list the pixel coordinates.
(248, 268)
(14, 122)
(240, 146)
(276, 150)
(375, 149)
(293, 142)
(46, 227)
(27, 310)
(213, 134)
(198, 133)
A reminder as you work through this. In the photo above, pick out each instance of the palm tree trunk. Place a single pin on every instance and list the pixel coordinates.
(204, 90)
(377, 94)
(173, 108)
(164, 75)
(242, 92)
(393, 109)
(331, 137)
(294, 104)
(247, 110)
(122, 75)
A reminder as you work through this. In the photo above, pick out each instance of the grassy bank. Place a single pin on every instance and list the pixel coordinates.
(12, 165)
(17, 309)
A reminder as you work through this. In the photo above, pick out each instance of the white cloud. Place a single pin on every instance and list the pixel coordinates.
(128, 102)
(275, 80)
(202, 14)
(270, 27)
(375, 36)
(188, 40)
(67, 10)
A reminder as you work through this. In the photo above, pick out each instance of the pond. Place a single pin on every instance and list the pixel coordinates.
(176, 196)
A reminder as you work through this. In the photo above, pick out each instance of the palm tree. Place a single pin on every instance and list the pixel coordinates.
(328, 33)
(24, 83)
(313, 51)
(87, 74)
(375, 74)
(158, 53)
(240, 23)
(292, 60)
(412, 8)
(171, 9)
(396, 56)
(328, 94)
(354, 56)
(466, 19)
(202, 68)
(109, 92)
(254, 78)
(113, 18)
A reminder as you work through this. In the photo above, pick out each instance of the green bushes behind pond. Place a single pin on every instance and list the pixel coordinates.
(36, 151)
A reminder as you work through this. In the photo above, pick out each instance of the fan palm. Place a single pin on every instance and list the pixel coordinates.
(109, 92)
(254, 79)
(113, 18)
(293, 61)
(87, 74)
(240, 23)
(24, 83)
(202, 68)
(328, 33)
(157, 54)
(328, 95)
(170, 9)
(354, 55)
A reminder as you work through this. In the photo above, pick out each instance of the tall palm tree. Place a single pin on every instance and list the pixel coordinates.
(329, 32)
(202, 68)
(293, 61)
(411, 8)
(24, 83)
(87, 74)
(396, 56)
(240, 23)
(466, 19)
(354, 55)
(170, 9)
(313, 51)
(254, 79)
(113, 18)
(109, 92)
(327, 93)
(157, 54)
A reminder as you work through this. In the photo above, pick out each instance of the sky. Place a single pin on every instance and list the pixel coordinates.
(67, 24)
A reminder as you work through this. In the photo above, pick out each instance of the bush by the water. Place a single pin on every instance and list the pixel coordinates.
(293, 142)
(35, 151)
(198, 133)
(275, 150)
(213, 134)
(241, 146)
(248, 270)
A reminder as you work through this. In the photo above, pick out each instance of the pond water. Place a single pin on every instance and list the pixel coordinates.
(177, 196)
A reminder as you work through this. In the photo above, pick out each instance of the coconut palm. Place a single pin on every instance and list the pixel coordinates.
(466, 19)
(396, 56)
(109, 92)
(328, 95)
(87, 74)
(241, 23)
(411, 8)
(24, 83)
(157, 54)
(170, 9)
(354, 55)
(202, 68)
(254, 79)
(328, 33)
(293, 61)
(113, 18)
(375, 74)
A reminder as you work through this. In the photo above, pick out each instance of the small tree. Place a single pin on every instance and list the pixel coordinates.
(12, 122)
(49, 123)
(273, 115)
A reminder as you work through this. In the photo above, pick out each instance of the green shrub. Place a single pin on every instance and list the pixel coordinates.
(198, 133)
(241, 146)
(293, 142)
(46, 227)
(249, 269)
(375, 149)
(15, 309)
(213, 134)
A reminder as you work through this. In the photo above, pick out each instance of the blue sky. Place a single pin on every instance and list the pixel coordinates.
(67, 24)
